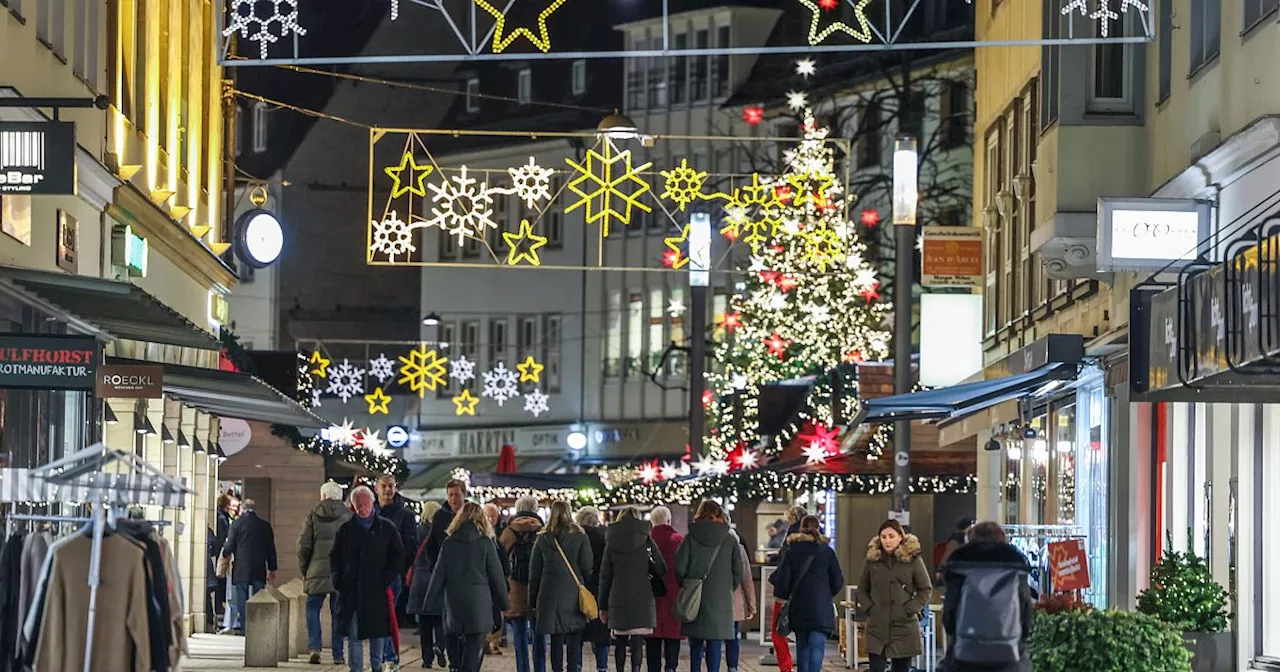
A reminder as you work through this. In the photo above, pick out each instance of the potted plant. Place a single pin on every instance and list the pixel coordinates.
(1184, 595)
(1079, 640)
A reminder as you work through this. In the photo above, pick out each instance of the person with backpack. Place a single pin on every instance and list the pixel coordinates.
(893, 591)
(709, 556)
(987, 609)
(626, 595)
(561, 559)
(517, 542)
(805, 584)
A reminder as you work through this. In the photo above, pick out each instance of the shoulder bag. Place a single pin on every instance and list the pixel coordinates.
(689, 597)
(586, 601)
(783, 625)
(657, 582)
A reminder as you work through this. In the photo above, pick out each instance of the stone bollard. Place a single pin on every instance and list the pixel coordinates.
(261, 630)
(296, 593)
(282, 626)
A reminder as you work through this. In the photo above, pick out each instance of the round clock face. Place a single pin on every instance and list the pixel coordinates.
(262, 238)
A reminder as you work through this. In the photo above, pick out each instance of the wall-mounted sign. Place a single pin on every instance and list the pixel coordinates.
(37, 157)
(234, 435)
(259, 238)
(1146, 234)
(466, 444)
(48, 362)
(1068, 566)
(68, 241)
(397, 436)
(129, 251)
(950, 338)
(951, 257)
(121, 381)
(219, 309)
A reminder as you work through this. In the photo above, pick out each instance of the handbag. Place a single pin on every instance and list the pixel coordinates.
(783, 625)
(586, 601)
(657, 582)
(223, 568)
(689, 597)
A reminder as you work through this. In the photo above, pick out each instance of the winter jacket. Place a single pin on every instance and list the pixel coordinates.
(811, 595)
(364, 563)
(253, 544)
(406, 524)
(596, 631)
(525, 522)
(667, 540)
(316, 541)
(893, 591)
(553, 593)
(419, 581)
(468, 580)
(744, 598)
(983, 554)
(720, 578)
(439, 527)
(624, 576)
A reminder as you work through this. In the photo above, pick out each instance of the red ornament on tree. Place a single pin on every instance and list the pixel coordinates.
(769, 277)
(731, 321)
(708, 397)
(854, 357)
(753, 114)
(870, 293)
(870, 218)
(818, 434)
(784, 194)
(788, 282)
(777, 345)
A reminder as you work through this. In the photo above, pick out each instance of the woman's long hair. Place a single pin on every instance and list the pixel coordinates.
(710, 510)
(561, 520)
(471, 513)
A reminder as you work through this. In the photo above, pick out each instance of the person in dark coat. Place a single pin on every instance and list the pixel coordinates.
(314, 545)
(810, 578)
(522, 532)
(367, 557)
(710, 553)
(626, 596)
(987, 547)
(455, 496)
(430, 630)
(665, 642)
(391, 505)
(493, 643)
(958, 538)
(561, 559)
(893, 591)
(217, 539)
(596, 632)
(782, 647)
(469, 580)
(252, 543)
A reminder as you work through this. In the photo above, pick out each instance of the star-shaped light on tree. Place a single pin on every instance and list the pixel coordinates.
(788, 282)
(797, 100)
(706, 465)
(828, 5)
(675, 307)
(777, 345)
(731, 321)
(821, 442)
(649, 472)
(870, 218)
(806, 67)
(854, 357)
(708, 397)
(870, 293)
(753, 114)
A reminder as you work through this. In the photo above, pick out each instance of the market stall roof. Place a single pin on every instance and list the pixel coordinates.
(436, 475)
(957, 401)
(781, 402)
(119, 309)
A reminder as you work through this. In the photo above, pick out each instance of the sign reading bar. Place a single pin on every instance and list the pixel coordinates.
(48, 362)
(1068, 566)
(1148, 234)
(121, 381)
(951, 257)
(37, 157)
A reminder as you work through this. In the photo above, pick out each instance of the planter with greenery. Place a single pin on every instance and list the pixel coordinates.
(1184, 595)
(1085, 640)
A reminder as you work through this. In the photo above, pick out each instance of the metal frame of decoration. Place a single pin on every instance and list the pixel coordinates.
(483, 32)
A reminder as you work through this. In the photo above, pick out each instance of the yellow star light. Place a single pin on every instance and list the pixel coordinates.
(378, 402)
(674, 244)
(401, 187)
(319, 364)
(605, 187)
(530, 371)
(807, 192)
(503, 39)
(465, 403)
(862, 33)
(529, 253)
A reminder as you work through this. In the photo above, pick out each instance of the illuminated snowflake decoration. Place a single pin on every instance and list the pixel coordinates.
(244, 18)
(822, 248)
(535, 403)
(500, 384)
(315, 398)
(382, 368)
(422, 370)
(346, 380)
(392, 237)
(818, 313)
(683, 184)
(1103, 15)
(531, 183)
(463, 207)
(462, 369)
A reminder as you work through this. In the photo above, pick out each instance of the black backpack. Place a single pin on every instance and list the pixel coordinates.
(989, 619)
(521, 555)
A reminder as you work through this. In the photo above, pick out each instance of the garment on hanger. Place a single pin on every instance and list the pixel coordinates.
(10, 615)
(34, 551)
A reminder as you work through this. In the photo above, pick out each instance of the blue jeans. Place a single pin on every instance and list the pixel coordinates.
(714, 649)
(314, 636)
(377, 645)
(244, 591)
(733, 650)
(526, 638)
(389, 652)
(811, 647)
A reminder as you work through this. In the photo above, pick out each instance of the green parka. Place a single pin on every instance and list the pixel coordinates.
(625, 591)
(468, 576)
(893, 591)
(553, 593)
(694, 561)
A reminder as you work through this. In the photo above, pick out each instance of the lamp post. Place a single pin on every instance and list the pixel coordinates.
(699, 279)
(906, 196)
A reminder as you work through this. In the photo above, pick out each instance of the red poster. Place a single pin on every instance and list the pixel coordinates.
(1068, 566)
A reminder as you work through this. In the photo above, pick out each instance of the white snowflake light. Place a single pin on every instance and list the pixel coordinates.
(806, 67)
(500, 384)
(346, 380)
(245, 19)
(462, 369)
(392, 237)
(531, 183)
(463, 207)
(535, 403)
(315, 398)
(797, 100)
(382, 368)
(815, 453)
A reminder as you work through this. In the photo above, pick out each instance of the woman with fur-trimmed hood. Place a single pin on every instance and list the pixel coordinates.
(893, 591)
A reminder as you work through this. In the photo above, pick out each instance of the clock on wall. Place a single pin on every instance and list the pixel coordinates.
(259, 238)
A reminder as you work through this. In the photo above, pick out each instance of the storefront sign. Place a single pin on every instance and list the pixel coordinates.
(1052, 349)
(951, 257)
(1136, 234)
(465, 444)
(1068, 566)
(950, 338)
(37, 157)
(48, 362)
(130, 251)
(234, 435)
(120, 381)
(657, 439)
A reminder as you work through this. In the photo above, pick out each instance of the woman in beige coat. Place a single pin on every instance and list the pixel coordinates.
(744, 606)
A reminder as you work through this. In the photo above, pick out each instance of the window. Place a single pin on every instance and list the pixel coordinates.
(953, 106)
(497, 341)
(676, 363)
(448, 245)
(1256, 10)
(1165, 39)
(527, 338)
(554, 217)
(473, 95)
(579, 77)
(68, 242)
(657, 80)
(698, 75)
(85, 55)
(15, 217)
(720, 64)
(867, 144)
(1018, 257)
(447, 334)
(551, 345)
(1050, 62)
(1266, 474)
(259, 127)
(657, 342)
(635, 77)
(471, 345)
(494, 235)
(524, 86)
(990, 298)
(1205, 26)
(680, 70)
(1110, 83)
(239, 131)
(635, 334)
(911, 114)
(613, 335)
(44, 12)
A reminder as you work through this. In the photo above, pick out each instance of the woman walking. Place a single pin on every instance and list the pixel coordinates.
(893, 591)
(469, 575)
(808, 579)
(744, 606)
(988, 550)
(709, 554)
(626, 595)
(665, 642)
(518, 540)
(561, 558)
(430, 630)
(596, 631)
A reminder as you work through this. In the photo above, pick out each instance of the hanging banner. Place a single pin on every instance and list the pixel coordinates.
(37, 158)
(951, 256)
(1068, 566)
(48, 362)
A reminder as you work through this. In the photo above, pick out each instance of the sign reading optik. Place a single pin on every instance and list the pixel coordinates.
(37, 158)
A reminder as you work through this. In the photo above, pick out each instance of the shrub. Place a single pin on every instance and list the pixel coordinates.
(1056, 603)
(1105, 641)
(1184, 594)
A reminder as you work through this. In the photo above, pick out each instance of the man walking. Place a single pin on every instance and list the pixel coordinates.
(456, 496)
(367, 557)
(391, 505)
(252, 544)
(314, 546)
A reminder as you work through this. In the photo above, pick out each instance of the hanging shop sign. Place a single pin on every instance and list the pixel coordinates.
(1050, 349)
(127, 381)
(397, 436)
(1137, 234)
(38, 158)
(951, 256)
(48, 362)
(950, 338)
(234, 435)
(466, 444)
(1068, 566)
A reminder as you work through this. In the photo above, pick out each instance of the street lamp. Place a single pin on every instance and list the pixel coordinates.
(618, 126)
(906, 193)
(431, 320)
(699, 279)
(906, 198)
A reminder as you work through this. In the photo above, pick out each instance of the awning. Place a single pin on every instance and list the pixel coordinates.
(950, 403)
(229, 394)
(118, 308)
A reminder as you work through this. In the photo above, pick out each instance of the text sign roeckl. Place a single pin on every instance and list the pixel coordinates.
(951, 257)
(48, 362)
(1068, 566)
(37, 157)
(121, 381)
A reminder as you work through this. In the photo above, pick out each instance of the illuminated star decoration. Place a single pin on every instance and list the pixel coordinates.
(319, 364)
(413, 185)
(753, 114)
(806, 67)
(777, 345)
(604, 186)
(708, 397)
(378, 402)
(422, 370)
(706, 465)
(870, 218)
(731, 321)
(649, 472)
(370, 442)
(528, 252)
(343, 435)
(531, 182)
(870, 293)
(683, 184)
(674, 243)
(530, 371)
(462, 369)
(503, 39)
(920, 243)
(675, 307)
(463, 207)
(822, 442)
(535, 403)
(815, 454)
(797, 100)
(671, 470)
(465, 403)
(862, 33)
